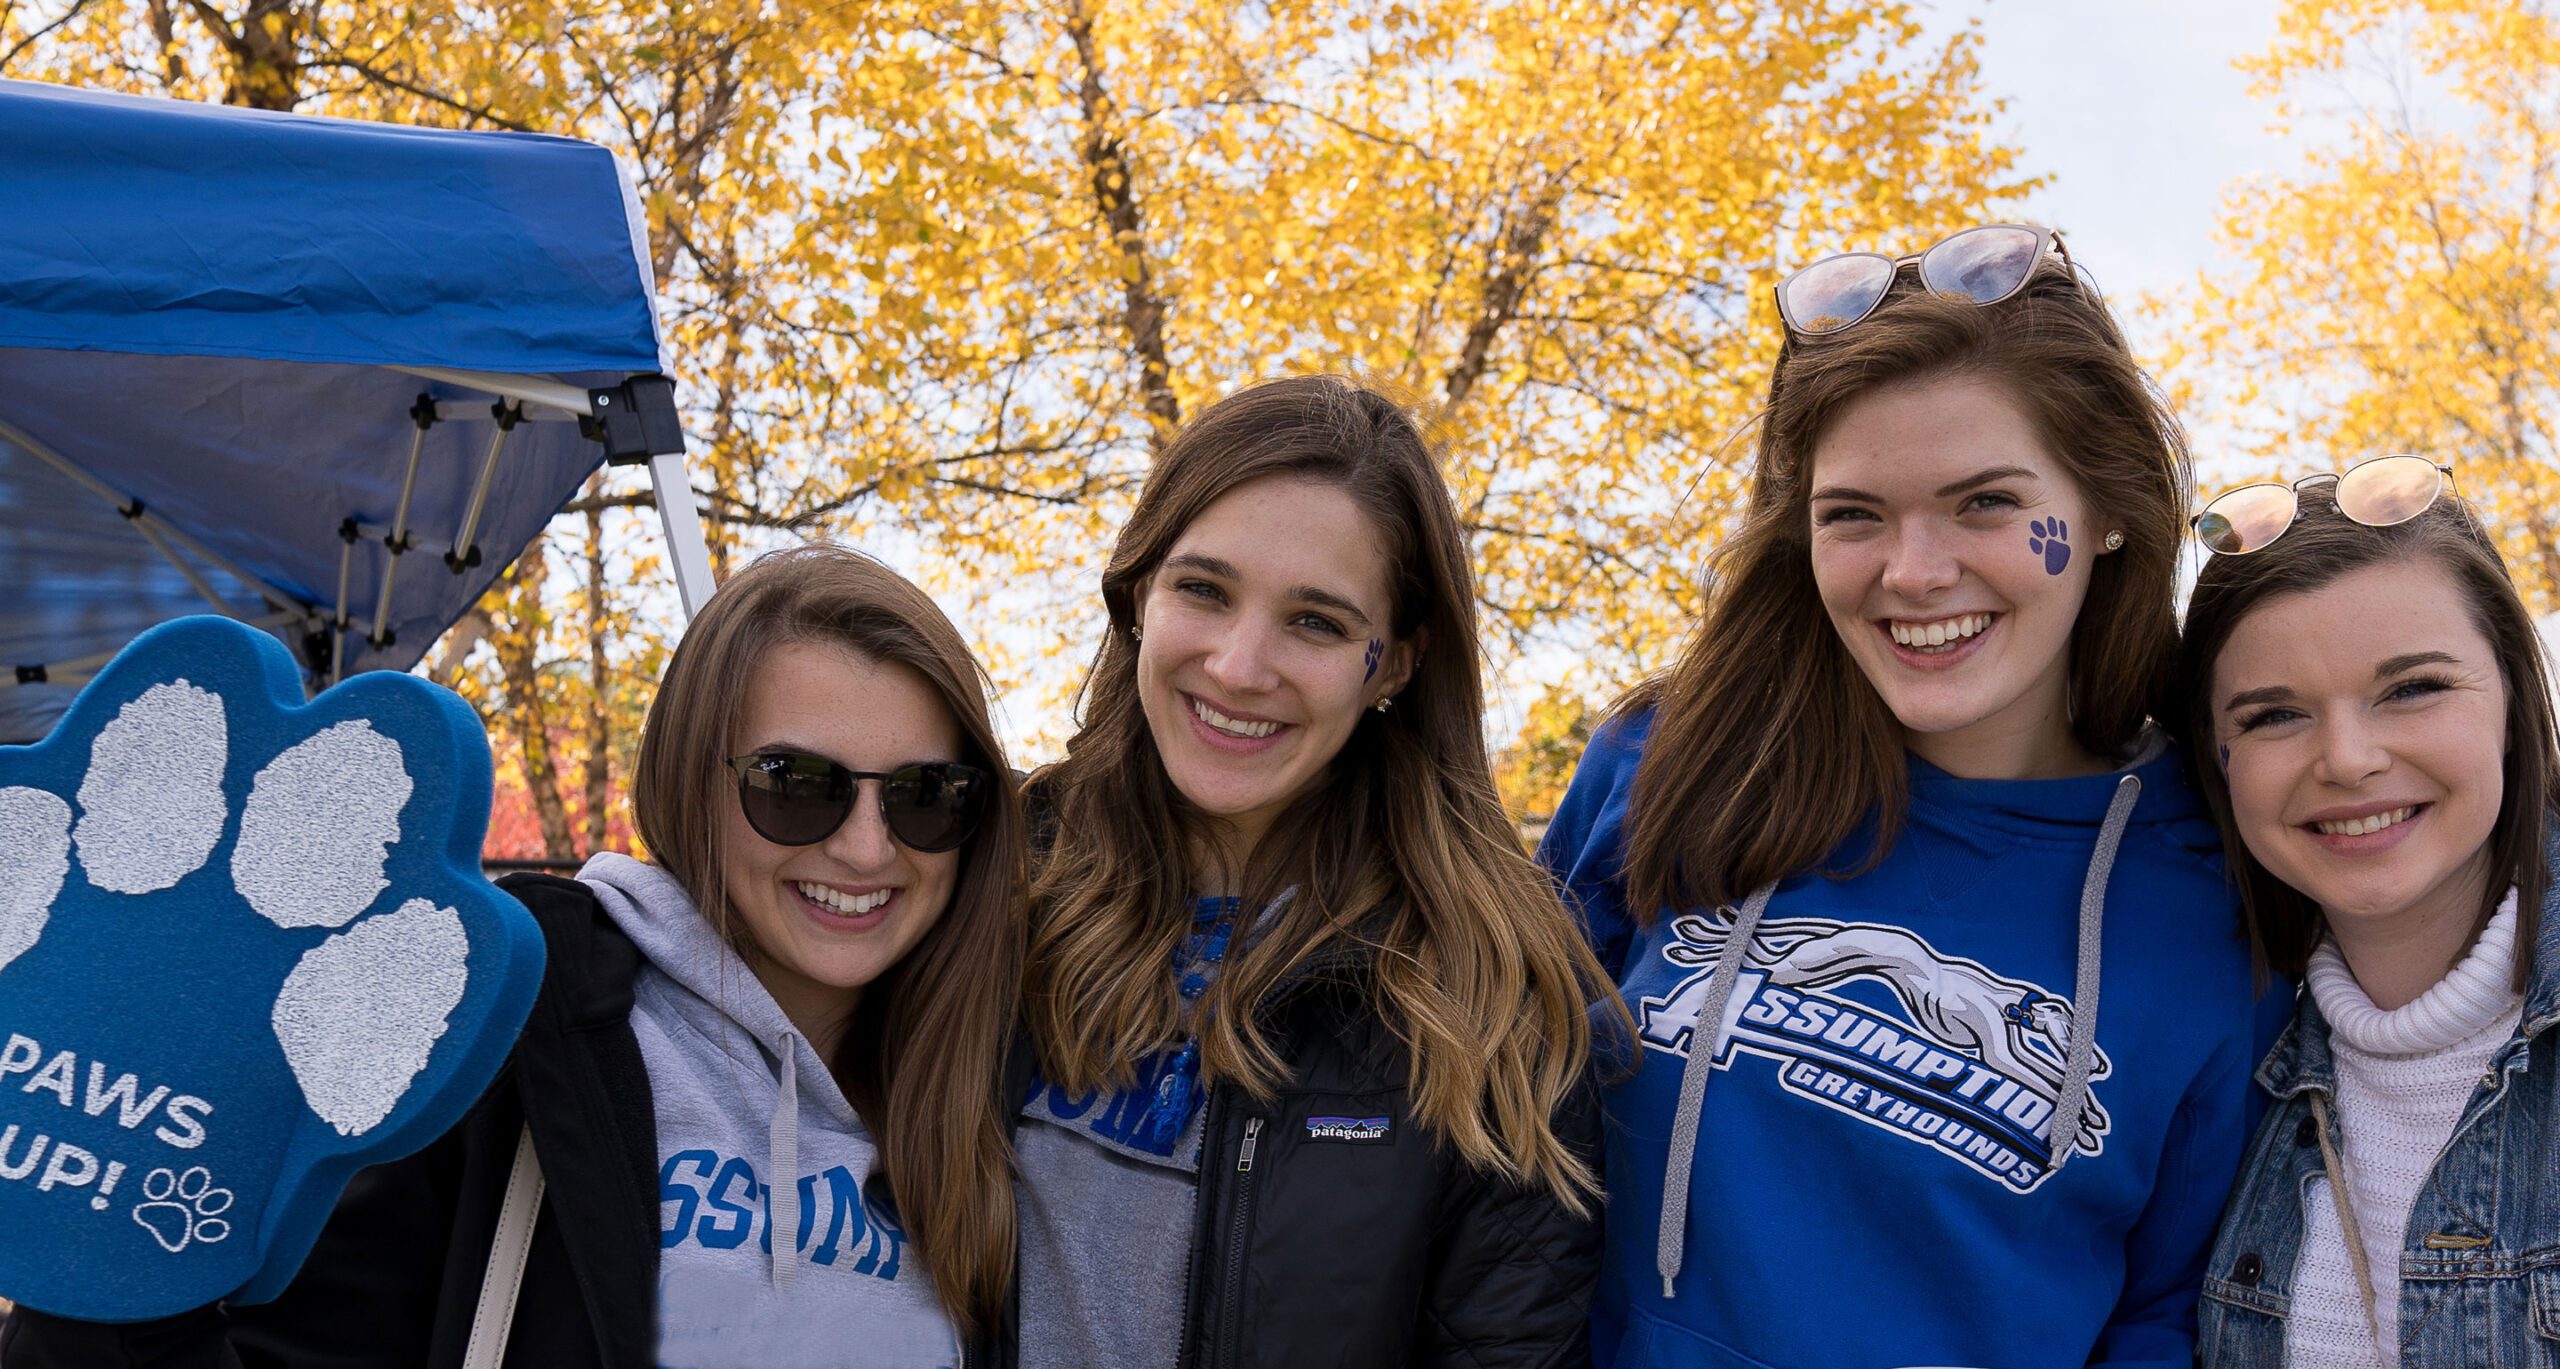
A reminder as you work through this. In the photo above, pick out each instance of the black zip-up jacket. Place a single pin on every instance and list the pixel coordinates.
(1314, 1244)
(1321, 1240)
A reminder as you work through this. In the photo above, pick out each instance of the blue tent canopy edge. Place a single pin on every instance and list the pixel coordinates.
(200, 312)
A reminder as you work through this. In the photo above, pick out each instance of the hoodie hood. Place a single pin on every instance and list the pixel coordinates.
(2072, 810)
(705, 995)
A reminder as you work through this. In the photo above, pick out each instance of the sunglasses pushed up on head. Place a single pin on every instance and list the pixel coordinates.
(2377, 493)
(792, 798)
(1987, 264)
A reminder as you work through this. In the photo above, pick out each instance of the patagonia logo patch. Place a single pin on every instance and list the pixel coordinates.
(1347, 1128)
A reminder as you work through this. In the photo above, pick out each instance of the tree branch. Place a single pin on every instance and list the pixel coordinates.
(1508, 272)
(1115, 192)
(366, 69)
(40, 34)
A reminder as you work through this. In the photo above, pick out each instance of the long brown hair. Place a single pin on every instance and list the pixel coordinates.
(923, 1058)
(1402, 850)
(1769, 747)
(2321, 546)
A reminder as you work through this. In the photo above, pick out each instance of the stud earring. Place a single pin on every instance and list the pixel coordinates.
(2115, 540)
(1382, 705)
(1137, 633)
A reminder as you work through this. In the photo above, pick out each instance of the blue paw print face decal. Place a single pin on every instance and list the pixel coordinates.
(245, 950)
(2050, 538)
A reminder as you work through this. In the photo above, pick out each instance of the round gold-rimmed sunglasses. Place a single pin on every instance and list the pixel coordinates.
(1985, 264)
(2377, 493)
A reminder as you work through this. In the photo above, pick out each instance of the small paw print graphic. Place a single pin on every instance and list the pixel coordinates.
(240, 934)
(2051, 539)
(180, 1208)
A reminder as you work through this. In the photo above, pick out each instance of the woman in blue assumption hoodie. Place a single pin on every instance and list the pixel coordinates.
(1902, 787)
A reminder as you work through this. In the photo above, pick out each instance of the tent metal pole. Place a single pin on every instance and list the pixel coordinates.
(55, 672)
(274, 596)
(146, 522)
(61, 463)
(464, 555)
(422, 416)
(142, 523)
(79, 671)
(682, 523)
(550, 394)
(338, 620)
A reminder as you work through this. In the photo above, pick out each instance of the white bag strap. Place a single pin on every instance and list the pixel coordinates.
(507, 1254)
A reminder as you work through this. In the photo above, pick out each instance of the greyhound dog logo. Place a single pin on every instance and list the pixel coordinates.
(1949, 1054)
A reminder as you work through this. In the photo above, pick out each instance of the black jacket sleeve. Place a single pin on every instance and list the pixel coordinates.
(1513, 1270)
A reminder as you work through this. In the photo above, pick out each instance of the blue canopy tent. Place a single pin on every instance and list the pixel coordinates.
(323, 376)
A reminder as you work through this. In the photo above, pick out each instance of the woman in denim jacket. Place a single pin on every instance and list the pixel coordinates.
(2369, 716)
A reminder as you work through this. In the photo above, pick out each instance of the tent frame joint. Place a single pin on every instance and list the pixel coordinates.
(634, 420)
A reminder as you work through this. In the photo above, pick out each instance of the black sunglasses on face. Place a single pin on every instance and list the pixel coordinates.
(792, 798)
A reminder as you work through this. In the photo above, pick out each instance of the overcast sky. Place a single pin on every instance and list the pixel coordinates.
(2133, 107)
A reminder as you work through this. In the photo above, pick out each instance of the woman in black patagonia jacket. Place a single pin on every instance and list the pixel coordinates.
(2369, 711)
(811, 978)
(1313, 1054)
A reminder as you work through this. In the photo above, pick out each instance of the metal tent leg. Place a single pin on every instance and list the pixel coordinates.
(683, 525)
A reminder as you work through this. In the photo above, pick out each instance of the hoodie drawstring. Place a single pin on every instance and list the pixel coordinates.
(782, 1143)
(1706, 1037)
(2081, 1055)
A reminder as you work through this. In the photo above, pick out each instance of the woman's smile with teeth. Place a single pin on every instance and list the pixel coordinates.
(1938, 633)
(1232, 726)
(851, 905)
(2357, 827)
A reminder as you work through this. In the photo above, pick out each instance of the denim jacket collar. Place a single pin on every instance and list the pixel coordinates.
(2300, 1059)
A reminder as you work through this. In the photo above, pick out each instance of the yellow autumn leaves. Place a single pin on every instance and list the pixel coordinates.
(2400, 290)
(937, 274)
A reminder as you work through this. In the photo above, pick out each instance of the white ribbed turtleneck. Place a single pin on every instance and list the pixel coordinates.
(2403, 1079)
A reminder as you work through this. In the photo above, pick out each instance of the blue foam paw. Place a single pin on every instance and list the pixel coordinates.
(245, 950)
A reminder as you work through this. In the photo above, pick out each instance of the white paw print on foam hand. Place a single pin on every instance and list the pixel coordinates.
(180, 1208)
(360, 1011)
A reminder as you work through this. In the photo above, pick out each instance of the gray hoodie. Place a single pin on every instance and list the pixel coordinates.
(740, 1096)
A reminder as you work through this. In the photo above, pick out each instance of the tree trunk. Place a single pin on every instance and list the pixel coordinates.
(519, 646)
(1115, 192)
(1506, 284)
(268, 70)
(264, 49)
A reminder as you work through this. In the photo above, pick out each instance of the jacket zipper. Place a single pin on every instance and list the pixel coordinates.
(1244, 1157)
(1229, 1312)
(1188, 1352)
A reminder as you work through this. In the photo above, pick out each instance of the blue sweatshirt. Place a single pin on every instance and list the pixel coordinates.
(1872, 1183)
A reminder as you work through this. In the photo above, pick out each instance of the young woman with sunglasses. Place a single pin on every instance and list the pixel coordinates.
(2367, 704)
(1868, 851)
(1311, 1029)
(762, 1078)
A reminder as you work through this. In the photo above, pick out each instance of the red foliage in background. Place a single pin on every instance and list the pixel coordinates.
(515, 824)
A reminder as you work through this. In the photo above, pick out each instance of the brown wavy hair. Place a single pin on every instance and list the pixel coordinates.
(2322, 545)
(1769, 748)
(1411, 882)
(922, 1060)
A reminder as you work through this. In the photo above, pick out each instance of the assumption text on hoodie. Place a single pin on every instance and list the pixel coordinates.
(1871, 1183)
(740, 1097)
